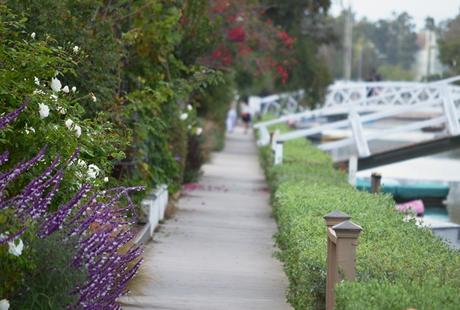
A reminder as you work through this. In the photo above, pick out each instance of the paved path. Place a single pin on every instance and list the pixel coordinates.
(217, 251)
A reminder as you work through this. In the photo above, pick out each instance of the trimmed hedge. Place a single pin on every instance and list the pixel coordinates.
(399, 265)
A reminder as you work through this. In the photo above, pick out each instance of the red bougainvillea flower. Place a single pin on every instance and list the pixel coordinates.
(286, 38)
(227, 58)
(283, 73)
(220, 6)
(217, 54)
(236, 34)
(222, 55)
(244, 50)
(231, 19)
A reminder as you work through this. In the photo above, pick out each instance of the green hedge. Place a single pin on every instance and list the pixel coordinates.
(399, 265)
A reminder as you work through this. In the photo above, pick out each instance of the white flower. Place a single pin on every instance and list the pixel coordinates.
(76, 49)
(93, 171)
(106, 179)
(189, 127)
(29, 130)
(44, 110)
(37, 81)
(189, 107)
(93, 98)
(77, 131)
(39, 92)
(183, 116)
(32, 35)
(69, 123)
(62, 111)
(56, 84)
(81, 163)
(4, 304)
(54, 97)
(74, 89)
(66, 89)
(14, 249)
(199, 131)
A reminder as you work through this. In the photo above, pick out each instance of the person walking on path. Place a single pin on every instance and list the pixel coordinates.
(245, 115)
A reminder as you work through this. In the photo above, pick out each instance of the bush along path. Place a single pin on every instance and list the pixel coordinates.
(399, 266)
(91, 229)
(217, 251)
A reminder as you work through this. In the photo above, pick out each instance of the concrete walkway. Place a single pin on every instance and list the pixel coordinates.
(217, 251)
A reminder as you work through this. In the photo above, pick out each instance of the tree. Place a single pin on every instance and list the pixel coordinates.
(388, 42)
(307, 21)
(449, 45)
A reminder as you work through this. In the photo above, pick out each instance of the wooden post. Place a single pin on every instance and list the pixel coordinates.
(376, 179)
(332, 219)
(347, 239)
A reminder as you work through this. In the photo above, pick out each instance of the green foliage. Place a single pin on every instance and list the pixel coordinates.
(49, 285)
(402, 295)
(92, 26)
(395, 73)
(43, 276)
(28, 65)
(214, 101)
(449, 46)
(395, 38)
(195, 158)
(307, 21)
(399, 265)
(137, 69)
(387, 46)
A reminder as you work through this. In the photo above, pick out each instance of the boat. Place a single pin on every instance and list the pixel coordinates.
(414, 206)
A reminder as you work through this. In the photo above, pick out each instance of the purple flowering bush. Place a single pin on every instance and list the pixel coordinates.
(86, 239)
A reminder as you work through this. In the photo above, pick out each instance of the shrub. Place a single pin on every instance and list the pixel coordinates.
(89, 231)
(399, 265)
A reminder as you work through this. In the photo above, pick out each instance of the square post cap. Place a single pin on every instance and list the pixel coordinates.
(336, 217)
(376, 175)
(347, 229)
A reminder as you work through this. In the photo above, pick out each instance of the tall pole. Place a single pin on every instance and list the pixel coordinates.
(360, 61)
(428, 63)
(348, 38)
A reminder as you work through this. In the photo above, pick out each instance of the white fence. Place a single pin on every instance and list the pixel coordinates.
(275, 103)
(390, 100)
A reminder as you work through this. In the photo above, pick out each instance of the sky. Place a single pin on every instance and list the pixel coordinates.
(418, 9)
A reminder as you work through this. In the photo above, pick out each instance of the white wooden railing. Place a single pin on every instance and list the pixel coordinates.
(441, 97)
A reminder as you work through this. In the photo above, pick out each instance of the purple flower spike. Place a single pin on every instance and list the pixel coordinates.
(8, 118)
